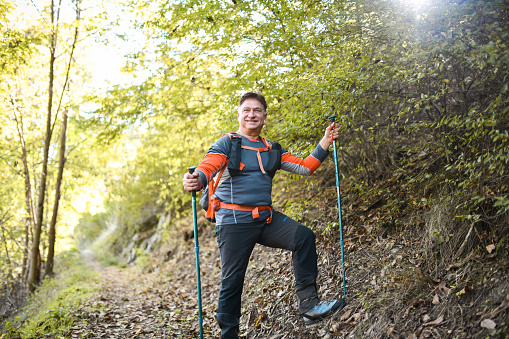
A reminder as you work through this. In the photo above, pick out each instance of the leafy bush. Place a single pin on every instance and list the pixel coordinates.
(49, 311)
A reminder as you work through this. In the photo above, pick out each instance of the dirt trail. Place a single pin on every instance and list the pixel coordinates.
(129, 305)
(163, 304)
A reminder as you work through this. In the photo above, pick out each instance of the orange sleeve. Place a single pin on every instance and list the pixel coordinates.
(299, 166)
(211, 164)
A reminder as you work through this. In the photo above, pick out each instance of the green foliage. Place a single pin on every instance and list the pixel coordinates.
(50, 309)
(408, 84)
(89, 228)
(15, 46)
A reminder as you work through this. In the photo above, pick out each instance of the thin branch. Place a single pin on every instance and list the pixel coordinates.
(48, 24)
(28, 186)
(73, 47)
(13, 238)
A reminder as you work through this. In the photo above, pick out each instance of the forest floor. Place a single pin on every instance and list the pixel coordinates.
(388, 294)
(421, 276)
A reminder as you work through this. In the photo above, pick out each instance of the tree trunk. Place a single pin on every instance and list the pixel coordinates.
(52, 226)
(35, 269)
(61, 160)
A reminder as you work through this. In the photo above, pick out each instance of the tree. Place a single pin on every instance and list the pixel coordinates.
(34, 274)
(23, 96)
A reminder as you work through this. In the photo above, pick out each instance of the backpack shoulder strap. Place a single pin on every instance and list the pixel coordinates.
(267, 144)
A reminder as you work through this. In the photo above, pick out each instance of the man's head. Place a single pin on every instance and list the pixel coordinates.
(251, 114)
(251, 95)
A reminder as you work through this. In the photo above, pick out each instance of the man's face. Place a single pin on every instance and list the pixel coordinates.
(251, 115)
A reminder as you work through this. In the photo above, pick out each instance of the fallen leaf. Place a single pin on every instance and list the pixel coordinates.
(488, 324)
(436, 300)
(334, 327)
(465, 290)
(138, 332)
(444, 288)
(455, 265)
(490, 248)
(346, 315)
(390, 330)
(407, 312)
(502, 307)
(356, 316)
(435, 322)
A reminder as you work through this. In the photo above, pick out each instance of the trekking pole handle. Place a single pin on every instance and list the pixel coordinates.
(191, 171)
(332, 120)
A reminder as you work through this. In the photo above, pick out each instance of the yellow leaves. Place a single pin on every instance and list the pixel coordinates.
(138, 332)
(257, 322)
(490, 248)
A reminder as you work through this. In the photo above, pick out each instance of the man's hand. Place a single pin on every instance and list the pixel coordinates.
(192, 182)
(331, 133)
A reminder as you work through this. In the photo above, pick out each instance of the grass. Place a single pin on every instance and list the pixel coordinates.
(50, 310)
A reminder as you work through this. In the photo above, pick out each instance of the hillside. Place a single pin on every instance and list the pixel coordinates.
(412, 271)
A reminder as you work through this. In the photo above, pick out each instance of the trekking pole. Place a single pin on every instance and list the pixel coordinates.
(197, 251)
(332, 119)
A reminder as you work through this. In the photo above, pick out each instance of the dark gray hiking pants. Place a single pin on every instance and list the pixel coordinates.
(236, 242)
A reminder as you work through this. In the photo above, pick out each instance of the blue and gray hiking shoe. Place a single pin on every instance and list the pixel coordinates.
(322, 310)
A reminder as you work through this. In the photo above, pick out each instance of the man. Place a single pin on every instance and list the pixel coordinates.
(244, 215)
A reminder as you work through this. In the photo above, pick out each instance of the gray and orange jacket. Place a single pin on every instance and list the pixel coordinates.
(252, 186)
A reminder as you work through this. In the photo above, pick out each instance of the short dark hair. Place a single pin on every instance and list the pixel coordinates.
(252, 95)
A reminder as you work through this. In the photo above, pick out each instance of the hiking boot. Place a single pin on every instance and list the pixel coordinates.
(322, 310)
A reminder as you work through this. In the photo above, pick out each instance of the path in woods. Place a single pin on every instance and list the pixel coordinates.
(131, 304)
(162, 303)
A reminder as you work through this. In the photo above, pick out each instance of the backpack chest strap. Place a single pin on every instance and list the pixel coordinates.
(258, 151)
(258, 155)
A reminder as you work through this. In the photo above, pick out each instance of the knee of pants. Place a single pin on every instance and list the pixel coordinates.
(226, 320)
(233, 282)
(304, 236)
(230, 295)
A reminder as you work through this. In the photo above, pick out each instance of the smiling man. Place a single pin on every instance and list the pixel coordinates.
(244, 164)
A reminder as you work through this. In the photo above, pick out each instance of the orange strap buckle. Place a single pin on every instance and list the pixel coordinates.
(255, 211)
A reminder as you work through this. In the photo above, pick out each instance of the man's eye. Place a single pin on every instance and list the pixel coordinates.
(258, 110)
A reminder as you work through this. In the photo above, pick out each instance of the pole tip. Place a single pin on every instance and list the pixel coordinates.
(332, 118)
(191, 169)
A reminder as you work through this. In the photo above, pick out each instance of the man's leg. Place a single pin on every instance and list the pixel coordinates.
(286, 233)
(236, 243)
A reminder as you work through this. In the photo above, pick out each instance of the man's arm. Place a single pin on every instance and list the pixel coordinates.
(215, 158)
(308, 165)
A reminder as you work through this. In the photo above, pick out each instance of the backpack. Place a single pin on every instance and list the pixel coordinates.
(235, 167)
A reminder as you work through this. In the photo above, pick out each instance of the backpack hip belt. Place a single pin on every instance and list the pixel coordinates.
(255, 210)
